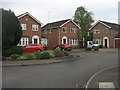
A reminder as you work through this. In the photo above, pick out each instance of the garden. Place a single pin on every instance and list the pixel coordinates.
(16, 53)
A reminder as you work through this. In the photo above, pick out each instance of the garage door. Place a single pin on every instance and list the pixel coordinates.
(117, 43)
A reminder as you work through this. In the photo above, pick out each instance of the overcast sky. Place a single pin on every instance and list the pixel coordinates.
(53, 10)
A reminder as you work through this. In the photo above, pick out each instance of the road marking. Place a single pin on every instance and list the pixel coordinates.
(86, 86)
(103, 85)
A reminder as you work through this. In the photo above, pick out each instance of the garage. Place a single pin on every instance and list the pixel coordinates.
(117, 41)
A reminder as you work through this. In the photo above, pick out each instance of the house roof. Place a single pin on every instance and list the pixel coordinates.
(58, 24)
(26, 13)
(107, 24)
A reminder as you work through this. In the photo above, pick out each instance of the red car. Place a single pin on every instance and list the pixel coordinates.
(64, 47)
(33, 48)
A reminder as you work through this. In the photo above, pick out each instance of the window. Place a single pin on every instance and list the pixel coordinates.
(106, 30)
(50, 31)
(35, 27)
(97, 41)
(96, 31)
(72, 30)
(73, 41)
(64, 29)
(23, 26)
(23, 41)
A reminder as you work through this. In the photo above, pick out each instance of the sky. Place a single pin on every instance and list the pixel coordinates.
(54, 10)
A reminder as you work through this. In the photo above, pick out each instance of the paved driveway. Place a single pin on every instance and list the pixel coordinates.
(73, 74)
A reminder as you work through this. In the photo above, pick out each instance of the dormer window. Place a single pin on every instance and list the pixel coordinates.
(35, 27)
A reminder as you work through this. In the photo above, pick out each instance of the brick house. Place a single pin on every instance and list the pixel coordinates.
(104, 33)
(61, 32)
(31, 29)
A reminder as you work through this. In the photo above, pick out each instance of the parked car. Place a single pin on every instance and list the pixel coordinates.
(63, 47)
(44, 46)
(91, 44)
(33, 48)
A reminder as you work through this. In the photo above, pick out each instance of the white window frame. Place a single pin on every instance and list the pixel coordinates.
(65, 30)
(96, 31)
(24, 41)
(34, 27)
(74, 30)
(24, 26)
(73, 41)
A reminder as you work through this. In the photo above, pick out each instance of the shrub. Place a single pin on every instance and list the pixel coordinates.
(14, 50)
(21, 58)
(9, 58)
(96, 48)
(65, 53)
(88, 49)
(45, 55)
(52, 55)
(14, 56)
(100, 46)
(77, 47)
(58, 53)
(37, 54)
(29, 56)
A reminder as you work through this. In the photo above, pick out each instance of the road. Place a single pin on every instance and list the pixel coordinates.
(74, 74)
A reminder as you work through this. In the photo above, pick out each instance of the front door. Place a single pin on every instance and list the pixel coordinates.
(64, 41)
(35, 41)
(106, 43)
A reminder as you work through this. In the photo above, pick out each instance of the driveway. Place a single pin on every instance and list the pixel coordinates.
(73, 74)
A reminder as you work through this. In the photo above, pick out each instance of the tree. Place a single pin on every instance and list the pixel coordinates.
(11, 29)
(84, 19)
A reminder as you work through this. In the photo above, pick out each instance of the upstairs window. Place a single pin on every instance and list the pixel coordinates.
(35, 27)
(96, 31)
(45, 31)
(72, 30)
(64, 29)
(23, 26)
(106, 30)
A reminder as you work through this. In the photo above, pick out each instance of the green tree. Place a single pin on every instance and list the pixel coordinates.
(11, 29)
(84, 19)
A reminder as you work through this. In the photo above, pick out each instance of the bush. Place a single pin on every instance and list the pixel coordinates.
(77, 47)
(88, 49)
(96, 48)
(14, 56)
(58, 53)
(9, 58)
(65, 53)
(37, 54)
(100, 46)
(52, 55)
(30, 56)
(21, 58)
(14, 50)
(45, 55)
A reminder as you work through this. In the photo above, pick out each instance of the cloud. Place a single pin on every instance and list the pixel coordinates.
(54, 10)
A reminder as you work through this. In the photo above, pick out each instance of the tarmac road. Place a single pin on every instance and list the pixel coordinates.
(74, 74)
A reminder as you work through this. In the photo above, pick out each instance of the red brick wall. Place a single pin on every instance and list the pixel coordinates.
(53, 38)
(111, 34)
(29, 21)
(68, 34)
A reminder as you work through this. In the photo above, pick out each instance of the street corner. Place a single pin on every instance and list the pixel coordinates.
(107, 78)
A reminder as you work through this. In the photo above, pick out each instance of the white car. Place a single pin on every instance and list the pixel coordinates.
(91, 44)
